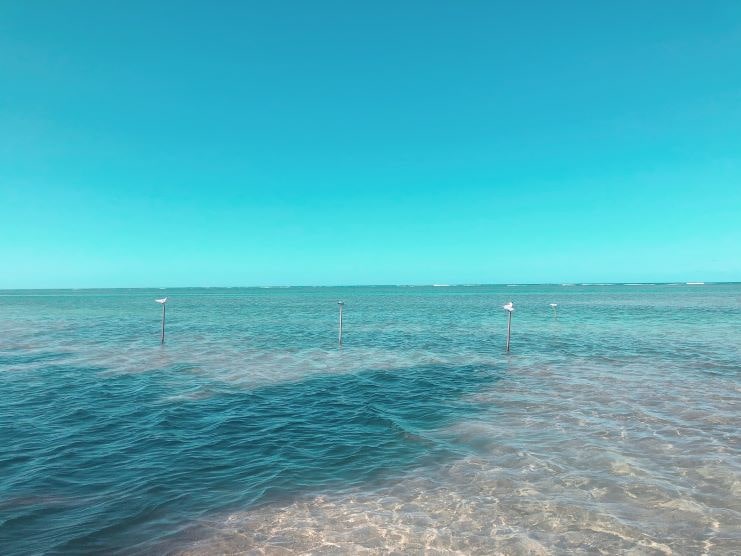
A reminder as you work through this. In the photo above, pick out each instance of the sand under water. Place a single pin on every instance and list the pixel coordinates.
(613, 428)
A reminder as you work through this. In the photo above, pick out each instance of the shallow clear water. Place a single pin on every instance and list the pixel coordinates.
(611, 428)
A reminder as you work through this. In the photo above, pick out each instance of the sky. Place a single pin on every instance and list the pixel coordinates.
(162, 144)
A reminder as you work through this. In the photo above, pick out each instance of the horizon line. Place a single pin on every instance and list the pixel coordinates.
(418, 285)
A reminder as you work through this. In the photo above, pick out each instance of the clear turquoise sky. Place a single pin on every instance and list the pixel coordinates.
(255, 143)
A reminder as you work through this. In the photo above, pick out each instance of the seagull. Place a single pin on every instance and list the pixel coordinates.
(554, 305)
(509, 307)
(161, 301)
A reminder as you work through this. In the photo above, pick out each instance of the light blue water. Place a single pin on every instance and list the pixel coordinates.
(614, 426)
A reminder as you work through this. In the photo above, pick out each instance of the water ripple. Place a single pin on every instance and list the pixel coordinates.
(612, 428)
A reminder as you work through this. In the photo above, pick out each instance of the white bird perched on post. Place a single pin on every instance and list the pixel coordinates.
(510, 308)
(553, 306)
(162, 302)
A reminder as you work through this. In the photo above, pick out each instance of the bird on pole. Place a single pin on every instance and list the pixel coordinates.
(162, 302)
(554, 306)
(510, 308)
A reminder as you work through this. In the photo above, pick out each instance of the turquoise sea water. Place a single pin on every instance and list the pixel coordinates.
(611, 427)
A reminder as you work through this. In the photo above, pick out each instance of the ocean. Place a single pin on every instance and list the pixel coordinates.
(612, 425)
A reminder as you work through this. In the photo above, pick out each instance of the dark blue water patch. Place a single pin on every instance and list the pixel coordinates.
(103, 464)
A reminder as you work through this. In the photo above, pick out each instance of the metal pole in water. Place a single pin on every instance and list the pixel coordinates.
(341, 304)
(509, 329)
(554, 305)
(510, 308)
(162, 302)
